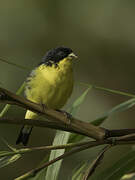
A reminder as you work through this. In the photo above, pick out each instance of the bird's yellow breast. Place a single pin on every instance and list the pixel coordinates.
(51, 85)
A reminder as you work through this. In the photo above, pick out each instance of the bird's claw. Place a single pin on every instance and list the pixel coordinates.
(67, 115)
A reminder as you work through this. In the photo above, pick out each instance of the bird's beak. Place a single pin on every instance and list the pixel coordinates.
(72, 55)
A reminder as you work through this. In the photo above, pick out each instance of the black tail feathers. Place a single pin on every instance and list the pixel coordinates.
(24, 135)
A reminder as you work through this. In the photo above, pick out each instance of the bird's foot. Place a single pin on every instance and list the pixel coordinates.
(43, 106)
(66, 114)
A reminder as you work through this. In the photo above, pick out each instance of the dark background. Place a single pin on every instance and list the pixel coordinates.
(101, 33)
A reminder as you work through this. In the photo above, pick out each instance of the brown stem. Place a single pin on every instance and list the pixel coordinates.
(77, 125)
(119, 132)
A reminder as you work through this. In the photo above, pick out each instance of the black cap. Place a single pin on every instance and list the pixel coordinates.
(55, 55)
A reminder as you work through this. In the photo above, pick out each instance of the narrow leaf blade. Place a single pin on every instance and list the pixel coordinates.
(62, 138)
(118, 108)
(78, 173)
(92, 166)
(118, 169)
(14, 64)
(4, 161)
(75, 106)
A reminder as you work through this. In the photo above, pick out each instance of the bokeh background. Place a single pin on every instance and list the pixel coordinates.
(101, 33)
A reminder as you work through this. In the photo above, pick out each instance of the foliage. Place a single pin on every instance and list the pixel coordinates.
(118, 170)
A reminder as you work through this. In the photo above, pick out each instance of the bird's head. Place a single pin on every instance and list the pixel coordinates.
(57, 55)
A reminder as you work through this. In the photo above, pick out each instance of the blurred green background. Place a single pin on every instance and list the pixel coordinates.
(101, 33)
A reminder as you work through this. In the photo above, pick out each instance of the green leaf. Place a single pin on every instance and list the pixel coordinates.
(39, 176)
(108, 90)
(14, 64)
(75, 106)
(113, 91)
(119, 168)
(75, 138)
(130, 176)
(95, 163)
(99, 121)
(62, 138)
(88, 167)
(6, 160)
(119, 108)
(78, 172)
(122, 107)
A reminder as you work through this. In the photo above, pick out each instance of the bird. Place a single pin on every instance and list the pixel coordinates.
(50, 84)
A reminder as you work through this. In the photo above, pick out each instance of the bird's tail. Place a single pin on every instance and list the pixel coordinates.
(24, 135)
(26, 130)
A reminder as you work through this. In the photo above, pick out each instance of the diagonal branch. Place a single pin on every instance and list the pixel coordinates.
(40, 123)
(53, 115)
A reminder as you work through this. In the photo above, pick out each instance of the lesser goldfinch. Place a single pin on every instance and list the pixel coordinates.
(51, 83)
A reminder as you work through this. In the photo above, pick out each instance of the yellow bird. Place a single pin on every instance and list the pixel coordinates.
(51, 83)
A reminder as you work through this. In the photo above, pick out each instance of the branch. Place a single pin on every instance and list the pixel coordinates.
(123, 140)
(75, 124)
(61, 126)
(57, 120)
(40, 123)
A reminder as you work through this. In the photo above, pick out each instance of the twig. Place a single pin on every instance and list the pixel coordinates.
(123, 140)
(110, 141)
(45, 148)
(66, 154)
